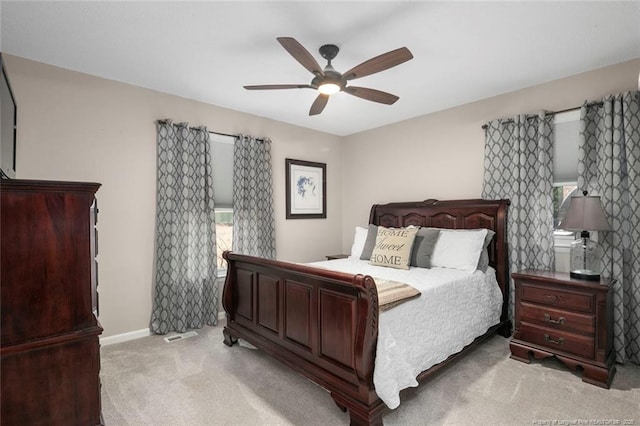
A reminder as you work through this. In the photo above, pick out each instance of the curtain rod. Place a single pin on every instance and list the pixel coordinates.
(588, 104)
(223, 134)
(166, 120)
(232, 136)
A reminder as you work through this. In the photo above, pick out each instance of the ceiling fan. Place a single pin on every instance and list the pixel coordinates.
(329, 81)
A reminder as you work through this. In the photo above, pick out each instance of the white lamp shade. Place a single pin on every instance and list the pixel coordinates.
(585, 214)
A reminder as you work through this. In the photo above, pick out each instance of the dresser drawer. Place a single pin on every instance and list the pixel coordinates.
(566, 299)
(558, 319)
(558, 341)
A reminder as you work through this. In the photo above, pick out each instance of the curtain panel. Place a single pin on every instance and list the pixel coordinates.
(253, 217)
(609, 166)
(186, 292)
(517, 166)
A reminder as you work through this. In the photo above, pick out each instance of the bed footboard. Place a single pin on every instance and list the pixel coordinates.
(321, 323)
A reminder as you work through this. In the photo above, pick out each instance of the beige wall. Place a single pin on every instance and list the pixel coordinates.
(440, 155)
(78, 127)
(73, 126)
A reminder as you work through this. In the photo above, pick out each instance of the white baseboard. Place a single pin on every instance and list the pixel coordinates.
(132, 335)
(125, 337)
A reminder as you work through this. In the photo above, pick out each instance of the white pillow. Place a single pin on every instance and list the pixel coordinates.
(458, 249)
(359, 239)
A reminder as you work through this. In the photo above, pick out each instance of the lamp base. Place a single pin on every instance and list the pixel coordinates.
(585, 259)
(585, 275)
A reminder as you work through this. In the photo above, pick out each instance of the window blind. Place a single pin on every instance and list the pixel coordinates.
(566, 128)
(222, 161)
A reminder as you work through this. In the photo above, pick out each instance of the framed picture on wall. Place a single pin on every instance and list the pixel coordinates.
(306, 189)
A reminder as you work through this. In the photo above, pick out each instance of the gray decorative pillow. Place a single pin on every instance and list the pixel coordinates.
(483, 262)
(369, 243)
(423, 247)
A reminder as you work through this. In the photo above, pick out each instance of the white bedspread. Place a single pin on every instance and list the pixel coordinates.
(454, 308)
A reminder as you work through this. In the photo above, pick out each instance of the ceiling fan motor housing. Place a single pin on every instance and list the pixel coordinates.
(329, 77)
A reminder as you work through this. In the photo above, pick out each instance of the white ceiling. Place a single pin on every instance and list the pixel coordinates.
(206, 51)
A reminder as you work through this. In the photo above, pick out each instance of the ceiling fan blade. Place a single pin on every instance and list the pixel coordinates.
(379, 63)
(372, 94)
(300, 54)
(319, 104)
(277, 86)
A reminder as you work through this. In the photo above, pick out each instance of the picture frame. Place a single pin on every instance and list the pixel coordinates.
(306, 189)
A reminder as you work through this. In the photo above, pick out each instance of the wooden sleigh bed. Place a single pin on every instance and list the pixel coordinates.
(324, 324)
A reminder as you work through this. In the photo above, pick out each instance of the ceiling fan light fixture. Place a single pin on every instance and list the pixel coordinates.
(328, 88)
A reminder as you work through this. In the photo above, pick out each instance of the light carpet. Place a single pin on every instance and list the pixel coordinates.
(199, 381)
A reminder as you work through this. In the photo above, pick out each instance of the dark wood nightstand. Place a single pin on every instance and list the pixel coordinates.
(336, 256)
(556, 315)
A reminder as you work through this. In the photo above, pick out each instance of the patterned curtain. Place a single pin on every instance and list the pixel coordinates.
(186, 292)
(609, 166)
(253, 218)
(517, 166)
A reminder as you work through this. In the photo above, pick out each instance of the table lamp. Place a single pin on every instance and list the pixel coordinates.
(585, 214)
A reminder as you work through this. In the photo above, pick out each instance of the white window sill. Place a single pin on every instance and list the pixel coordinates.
(562, 246)
(563, 239)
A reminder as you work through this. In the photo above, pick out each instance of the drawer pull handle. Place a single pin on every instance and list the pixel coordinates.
(548, 339)
(548, 318)
(554, 298)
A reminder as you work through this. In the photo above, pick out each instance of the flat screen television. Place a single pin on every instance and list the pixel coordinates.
(8, 114)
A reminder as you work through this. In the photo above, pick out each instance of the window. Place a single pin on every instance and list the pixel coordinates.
(566, 129)
(561, 197)
(224, 234)
(222, 153)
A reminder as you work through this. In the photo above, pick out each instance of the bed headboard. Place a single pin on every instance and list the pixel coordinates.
(456, 214)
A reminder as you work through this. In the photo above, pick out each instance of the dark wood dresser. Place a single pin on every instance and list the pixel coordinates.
(556, 315)
(49, 347)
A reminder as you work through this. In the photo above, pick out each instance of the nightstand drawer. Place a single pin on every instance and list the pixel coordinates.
(579, 301)
(558, 319)
(558, 341)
